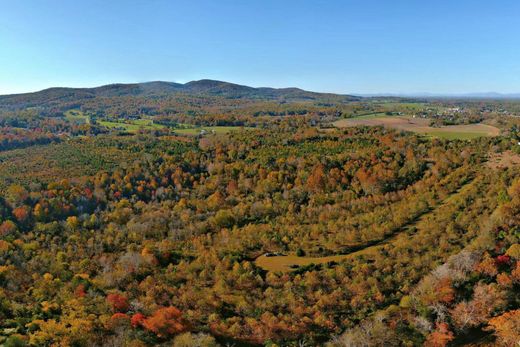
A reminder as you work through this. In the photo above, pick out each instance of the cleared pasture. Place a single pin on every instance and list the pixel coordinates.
(421, 126)
(209, 130)
(132, 126)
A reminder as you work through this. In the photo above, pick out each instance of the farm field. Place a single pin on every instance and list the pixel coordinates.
(133, 126)
(210, 129)
(371, 115)
(421, 126)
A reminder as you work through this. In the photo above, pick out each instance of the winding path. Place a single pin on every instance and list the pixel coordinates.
(285, 263)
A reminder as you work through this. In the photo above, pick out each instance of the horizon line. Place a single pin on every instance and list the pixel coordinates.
(415, 94)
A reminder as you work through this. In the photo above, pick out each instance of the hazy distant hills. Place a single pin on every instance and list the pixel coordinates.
(70, 97)
(486, 95)
(164, 89)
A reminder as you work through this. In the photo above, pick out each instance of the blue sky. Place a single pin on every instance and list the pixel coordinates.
(349, 46)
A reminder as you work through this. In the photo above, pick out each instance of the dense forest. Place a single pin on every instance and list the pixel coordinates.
(144, 233)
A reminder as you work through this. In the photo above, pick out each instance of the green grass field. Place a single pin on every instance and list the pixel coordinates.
(132, 126)
(421, 126)
(372, 115)
(216, 129)
(146, 123)
(75, 116)
(402, 106)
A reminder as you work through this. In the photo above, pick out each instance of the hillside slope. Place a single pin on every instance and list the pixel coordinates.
(228, 90)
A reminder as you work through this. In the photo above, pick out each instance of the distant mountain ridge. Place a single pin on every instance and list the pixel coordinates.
(203, 87)
(483, 95)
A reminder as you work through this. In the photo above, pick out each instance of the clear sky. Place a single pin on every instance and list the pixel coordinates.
(345, 46)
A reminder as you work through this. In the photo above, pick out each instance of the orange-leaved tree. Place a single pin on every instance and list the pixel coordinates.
(165, 321)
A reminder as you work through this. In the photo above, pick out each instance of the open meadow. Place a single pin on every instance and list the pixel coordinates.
(421, 126)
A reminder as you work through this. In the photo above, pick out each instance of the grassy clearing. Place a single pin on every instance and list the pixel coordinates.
(215, 129)
(463, 132)
(75, 116)
(410, 106)
(147, 123)
(132, 126)
(456, 135)
(286, 263)
(421, 126)
(372, 115)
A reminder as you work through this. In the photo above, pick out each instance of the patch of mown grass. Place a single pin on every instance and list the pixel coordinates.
(372, 115)
(132, 126)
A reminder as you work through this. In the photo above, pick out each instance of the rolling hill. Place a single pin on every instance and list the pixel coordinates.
(160, 89)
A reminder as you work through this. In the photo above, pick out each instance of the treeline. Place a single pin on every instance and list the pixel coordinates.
(19, 138)
(34, 124)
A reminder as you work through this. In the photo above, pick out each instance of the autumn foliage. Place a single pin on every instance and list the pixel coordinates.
(165, 322)
(137, 320)
(152, 237)
(118, 302)
(440, 337)
(507, 327)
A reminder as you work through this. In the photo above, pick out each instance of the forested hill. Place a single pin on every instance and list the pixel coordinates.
(164, 89)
